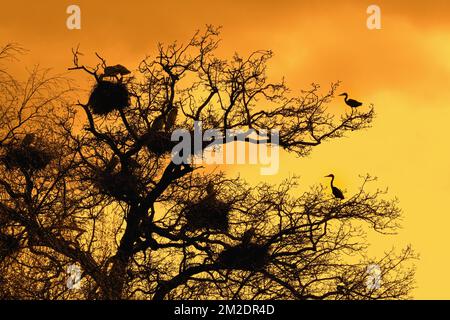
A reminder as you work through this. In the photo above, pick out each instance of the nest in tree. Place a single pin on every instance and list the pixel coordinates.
(209, 213)
(108, 96)
(159, 142)
(27, 157)
(120, 185)
(8, 245)
(250, 257)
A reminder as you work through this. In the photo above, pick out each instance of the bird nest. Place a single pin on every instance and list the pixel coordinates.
(159, 142)
(250, 257)
(120, 185)
(209, 214)
(108, 96)
(8, 245)
(27, 157)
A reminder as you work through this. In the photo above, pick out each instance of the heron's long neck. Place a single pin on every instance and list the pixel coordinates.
(332, 179)
(345, 99)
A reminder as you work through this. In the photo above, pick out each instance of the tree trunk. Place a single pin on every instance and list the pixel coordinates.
(117, 274)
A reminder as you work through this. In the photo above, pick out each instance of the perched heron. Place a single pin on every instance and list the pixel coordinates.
(210, 189)
(337, 193)
(248, 236)
(118, 69)
(112, 164)
(29, 139)
(350, 102)
(171, 118)
(158, 123)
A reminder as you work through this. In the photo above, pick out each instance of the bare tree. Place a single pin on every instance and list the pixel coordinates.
(108, 198)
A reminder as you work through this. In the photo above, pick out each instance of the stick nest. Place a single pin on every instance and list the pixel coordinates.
(209, 213)
(250, 257)
(159, 142)
(119, 185)
(28, 157)
(108, 96)
(8, 245)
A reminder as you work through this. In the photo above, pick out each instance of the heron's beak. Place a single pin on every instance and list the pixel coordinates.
(342, 94)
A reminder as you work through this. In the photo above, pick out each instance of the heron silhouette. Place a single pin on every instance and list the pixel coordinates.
(350, 102)
(248, 236)
(171, 118)
(158, 123)
(210, 189)
(118, 69)
(28, 139)
(337, 193)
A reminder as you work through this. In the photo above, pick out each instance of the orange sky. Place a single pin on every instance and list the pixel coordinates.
(404, 69)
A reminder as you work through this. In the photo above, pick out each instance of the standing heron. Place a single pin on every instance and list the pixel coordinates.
(337, 193)
(171, 118)
(350, 102)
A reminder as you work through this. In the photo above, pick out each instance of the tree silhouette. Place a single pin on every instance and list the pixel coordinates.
(106, 196)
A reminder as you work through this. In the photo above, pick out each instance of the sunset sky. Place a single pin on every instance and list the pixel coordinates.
(403, 69)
